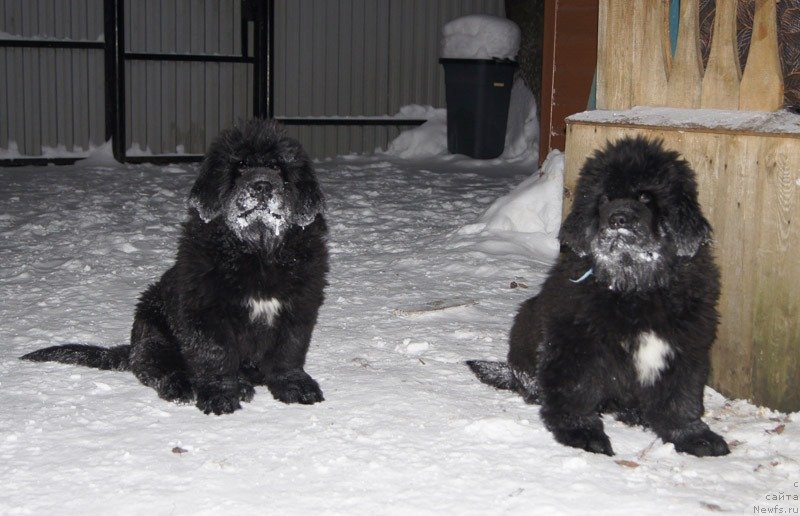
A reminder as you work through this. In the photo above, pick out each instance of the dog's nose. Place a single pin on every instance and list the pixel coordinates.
(261, 187)
(619, 219)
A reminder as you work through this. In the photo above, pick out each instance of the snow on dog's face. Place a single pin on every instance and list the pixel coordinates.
(260, 182)
(635, 213)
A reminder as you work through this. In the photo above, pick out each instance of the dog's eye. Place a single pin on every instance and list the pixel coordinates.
(645, 197)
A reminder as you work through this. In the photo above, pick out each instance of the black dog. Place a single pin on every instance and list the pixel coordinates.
(240, 303)
(626, 318)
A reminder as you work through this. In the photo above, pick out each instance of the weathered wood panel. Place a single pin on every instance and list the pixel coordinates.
(633, 66)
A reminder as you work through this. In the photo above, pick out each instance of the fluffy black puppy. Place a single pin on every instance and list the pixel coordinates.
(240, 303)
(625, 320)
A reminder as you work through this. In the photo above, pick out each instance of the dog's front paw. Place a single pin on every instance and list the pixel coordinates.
(220, 397)
(175, 387)
(295, 387)
(703, 444)
(218, 403)
(590, 439)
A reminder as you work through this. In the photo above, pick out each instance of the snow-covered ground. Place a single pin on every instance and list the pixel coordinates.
(421, 277)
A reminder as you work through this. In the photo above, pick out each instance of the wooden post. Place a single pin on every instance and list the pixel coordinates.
(723, 72)
(615, 51)
(762, 82)
(686, 76)
(650, 87)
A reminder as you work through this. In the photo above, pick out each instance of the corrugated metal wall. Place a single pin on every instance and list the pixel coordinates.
(181, 106)
(51, 96)
(360, 57)
(332, 57)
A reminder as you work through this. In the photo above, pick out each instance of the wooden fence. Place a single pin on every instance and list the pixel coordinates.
(747, 157)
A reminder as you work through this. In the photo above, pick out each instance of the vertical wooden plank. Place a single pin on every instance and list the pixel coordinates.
(723, 73)
(615, 53)
(686, 75)
(728, 188)
(762, 81)
(776, 371)
(650, 87)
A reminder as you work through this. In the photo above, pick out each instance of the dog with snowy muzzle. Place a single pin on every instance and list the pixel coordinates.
(626, 317)
(239, 305)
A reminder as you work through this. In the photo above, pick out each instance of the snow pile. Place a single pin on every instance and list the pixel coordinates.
(430, 139)
(101, 156)
(426, 140)
(480, 36)
(11, 152)
(526, 221)
(417, 111)
(522, 128)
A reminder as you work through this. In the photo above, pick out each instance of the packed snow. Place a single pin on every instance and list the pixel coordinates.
(429, 259)
(480, 36)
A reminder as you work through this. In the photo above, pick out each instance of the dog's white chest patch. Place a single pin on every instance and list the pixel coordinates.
(650, 357)
(266, 309)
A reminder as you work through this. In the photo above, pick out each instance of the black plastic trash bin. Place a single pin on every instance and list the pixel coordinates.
(477, 96)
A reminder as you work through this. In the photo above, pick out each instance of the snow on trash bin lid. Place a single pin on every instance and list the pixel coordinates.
(480, 36)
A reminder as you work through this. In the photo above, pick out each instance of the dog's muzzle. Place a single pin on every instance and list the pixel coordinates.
(258, 210)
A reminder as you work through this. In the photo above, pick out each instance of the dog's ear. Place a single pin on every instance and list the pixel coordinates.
(575, 230)
(310, 203)
(206, 194)
(682, 218)
(688, 228)
(580, 225)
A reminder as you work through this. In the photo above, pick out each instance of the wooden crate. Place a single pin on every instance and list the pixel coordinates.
(748, 168)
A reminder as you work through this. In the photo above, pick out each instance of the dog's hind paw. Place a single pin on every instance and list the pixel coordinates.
(703, 444)
(246, 391)
(295, 387)
(589, 439)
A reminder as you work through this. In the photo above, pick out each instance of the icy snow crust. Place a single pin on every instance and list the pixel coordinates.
(405, 428)
(480, 36)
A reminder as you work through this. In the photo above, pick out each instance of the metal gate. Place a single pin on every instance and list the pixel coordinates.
(189, 74)
(161, 78)
(155, 60)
